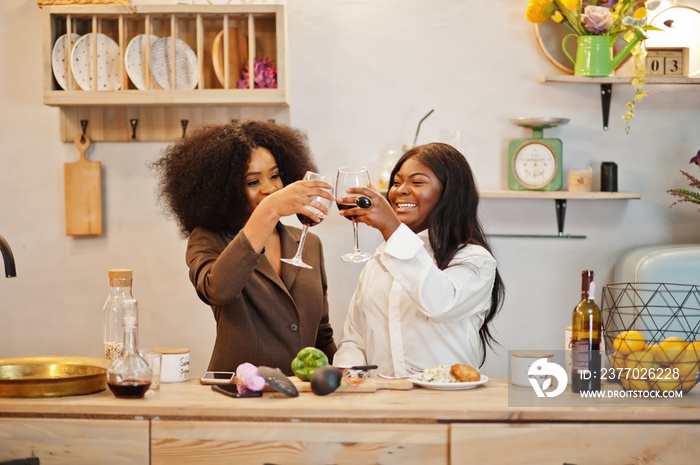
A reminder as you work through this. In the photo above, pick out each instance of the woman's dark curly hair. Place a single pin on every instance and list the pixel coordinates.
(201, 177)
(454, 221)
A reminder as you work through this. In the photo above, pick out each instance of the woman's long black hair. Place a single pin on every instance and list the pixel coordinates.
(454, 221)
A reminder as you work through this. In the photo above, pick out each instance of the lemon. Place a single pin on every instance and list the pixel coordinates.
(671, 348)
(669, 384)
(617, 360)
(695, 347)
(687, 365)
(629, 340)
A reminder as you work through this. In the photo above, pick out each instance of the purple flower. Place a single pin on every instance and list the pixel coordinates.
(696, 159)
(596, 19)
(264, 74)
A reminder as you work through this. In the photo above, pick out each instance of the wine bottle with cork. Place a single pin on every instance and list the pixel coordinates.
(586, 333)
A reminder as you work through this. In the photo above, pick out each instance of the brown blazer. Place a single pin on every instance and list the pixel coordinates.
(260, 318)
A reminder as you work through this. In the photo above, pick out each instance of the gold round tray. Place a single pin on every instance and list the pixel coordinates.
(52, 376)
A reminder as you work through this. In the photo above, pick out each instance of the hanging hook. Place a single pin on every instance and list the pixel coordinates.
(184, 123)
(133, 122)
(83, 125)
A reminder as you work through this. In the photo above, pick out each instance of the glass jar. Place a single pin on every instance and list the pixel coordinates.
(112, 333)
(129, 376)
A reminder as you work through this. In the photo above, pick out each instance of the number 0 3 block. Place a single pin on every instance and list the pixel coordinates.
(667, 61)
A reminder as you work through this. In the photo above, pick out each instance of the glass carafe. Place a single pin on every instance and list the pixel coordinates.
(129, 376)
(112, 333)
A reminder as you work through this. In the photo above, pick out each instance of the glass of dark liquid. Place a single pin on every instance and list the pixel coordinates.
(352, 176)
(307, 221)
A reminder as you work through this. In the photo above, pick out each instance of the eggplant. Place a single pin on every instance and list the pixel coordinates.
(325, 380)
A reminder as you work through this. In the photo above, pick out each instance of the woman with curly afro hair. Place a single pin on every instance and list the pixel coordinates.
(228, 186)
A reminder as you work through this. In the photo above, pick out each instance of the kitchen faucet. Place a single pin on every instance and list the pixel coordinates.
(8, 258)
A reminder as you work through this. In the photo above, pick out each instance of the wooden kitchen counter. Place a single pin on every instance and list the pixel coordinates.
(189, 423)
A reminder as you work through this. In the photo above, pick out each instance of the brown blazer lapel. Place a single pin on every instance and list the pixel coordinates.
(290, 241)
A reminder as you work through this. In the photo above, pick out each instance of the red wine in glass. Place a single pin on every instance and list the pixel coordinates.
(346, 206)
(348, 177)
(129, 389)
(307, 221)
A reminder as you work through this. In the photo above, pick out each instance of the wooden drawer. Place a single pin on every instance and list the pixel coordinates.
(580, 444)
(244, 443)
(75, 442)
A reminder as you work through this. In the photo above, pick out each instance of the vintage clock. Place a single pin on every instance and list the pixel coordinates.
(535, 163)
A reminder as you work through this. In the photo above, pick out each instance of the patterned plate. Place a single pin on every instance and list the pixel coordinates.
(60, 57)
(135, 61)
(186, 66)
(107, 63)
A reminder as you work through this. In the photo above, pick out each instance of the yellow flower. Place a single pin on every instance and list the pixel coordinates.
(538, 11)
(630, 106)
(640, 96)
(570, 4)
(557, 17)
(640, 13)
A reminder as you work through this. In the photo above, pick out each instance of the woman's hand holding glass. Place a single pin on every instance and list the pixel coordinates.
(313, 212)
(349, 177)
(372, 209)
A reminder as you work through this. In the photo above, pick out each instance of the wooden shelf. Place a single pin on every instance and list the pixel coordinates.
(560, 198)
(224, 39)
(606, 84)
(570, 79)
(553, 195)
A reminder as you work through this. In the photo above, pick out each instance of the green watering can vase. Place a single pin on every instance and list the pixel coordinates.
(594, 54)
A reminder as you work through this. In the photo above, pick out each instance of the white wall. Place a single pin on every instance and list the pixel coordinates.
(363, 73)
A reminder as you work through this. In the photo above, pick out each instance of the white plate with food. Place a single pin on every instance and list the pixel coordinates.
(454, 386)
(135, 61)
(108, 63)
(186, 65)
(449, 377)
(60, 59)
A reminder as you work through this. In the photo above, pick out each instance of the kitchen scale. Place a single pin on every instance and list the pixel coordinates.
(535, 164)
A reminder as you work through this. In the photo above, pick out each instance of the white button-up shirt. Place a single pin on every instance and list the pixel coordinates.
(407, 314)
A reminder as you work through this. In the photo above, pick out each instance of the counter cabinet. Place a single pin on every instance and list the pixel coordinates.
(188, 423)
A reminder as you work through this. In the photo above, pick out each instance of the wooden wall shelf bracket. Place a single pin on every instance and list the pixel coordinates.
(560, 198)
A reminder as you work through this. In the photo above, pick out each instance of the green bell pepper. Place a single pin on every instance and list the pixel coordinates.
(307, 361)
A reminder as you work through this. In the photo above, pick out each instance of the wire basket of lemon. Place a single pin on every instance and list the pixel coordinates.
(652, 332)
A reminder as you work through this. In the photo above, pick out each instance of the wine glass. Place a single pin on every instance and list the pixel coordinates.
(308, 222)
(352, 176)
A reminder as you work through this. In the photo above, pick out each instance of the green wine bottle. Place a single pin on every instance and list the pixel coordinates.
(585, 339)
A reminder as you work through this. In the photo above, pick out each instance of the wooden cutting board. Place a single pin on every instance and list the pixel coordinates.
(368, 385)
(83, 189)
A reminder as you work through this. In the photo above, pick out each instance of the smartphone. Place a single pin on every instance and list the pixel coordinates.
(231, 390)
(217, 377)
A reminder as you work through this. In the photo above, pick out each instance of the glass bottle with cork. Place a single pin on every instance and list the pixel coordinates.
(129, 376)
(120, 281)
(586, 333)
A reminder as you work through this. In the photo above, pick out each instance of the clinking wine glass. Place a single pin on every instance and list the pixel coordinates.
(308, 222)
(352, 176)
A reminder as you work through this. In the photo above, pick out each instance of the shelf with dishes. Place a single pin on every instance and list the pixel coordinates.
(99, 58)
(560, 198)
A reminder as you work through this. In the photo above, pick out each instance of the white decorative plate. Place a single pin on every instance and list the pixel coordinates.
(135, 61)
(186, 67)
(60, 59)
(448, 386)
(107, 62)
